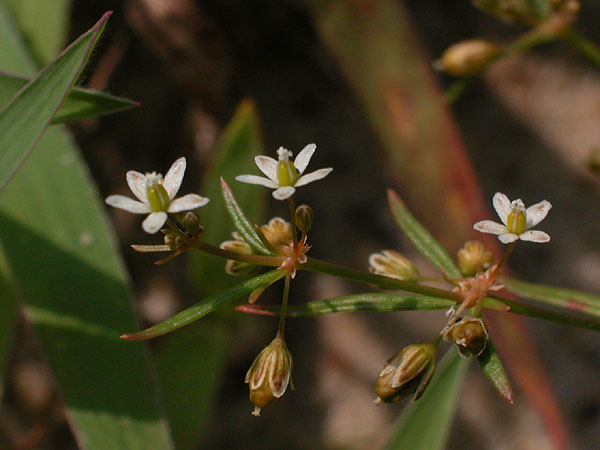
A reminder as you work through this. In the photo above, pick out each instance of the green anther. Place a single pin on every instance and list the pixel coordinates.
(516, 222)
(157, 197)
(287, 175)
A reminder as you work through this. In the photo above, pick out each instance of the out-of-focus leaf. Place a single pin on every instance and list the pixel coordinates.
(7, 315)
(492, 367)
(26, 116)
(420, 237)
(241, 222)
(205, 307)
(425, 424)
(380, 302)
(191, 392)
(79, 104)
(44, 22)
(54, 233)
(568, 299)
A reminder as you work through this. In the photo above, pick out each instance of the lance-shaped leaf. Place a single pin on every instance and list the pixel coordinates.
(568, 299)
(425, 424)
(380, 302)
(427, 245)
(492, 367)
(26, 116)
(241, 222)
(205, 307)
(79, 104)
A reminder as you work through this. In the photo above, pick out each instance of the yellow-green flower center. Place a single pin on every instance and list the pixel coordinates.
(158, 198)
(287, 174)
(516, 222)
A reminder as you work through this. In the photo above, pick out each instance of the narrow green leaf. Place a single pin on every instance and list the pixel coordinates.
(241, 223)
(493, 369)
(420, 237)
(205, 307)
(26, 116)
(79, 104)
(45, 23)
(425, 424)
(8, 314)
(568, 299)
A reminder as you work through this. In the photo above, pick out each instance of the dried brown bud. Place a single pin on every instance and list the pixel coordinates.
(270, 374)
(304, 218)
(467, 57)
(469, 335)
(392, 264)
(474, 258)
(406, 373)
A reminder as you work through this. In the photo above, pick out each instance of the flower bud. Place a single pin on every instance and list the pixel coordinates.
(278, 232)
(406, 373)
(474, 258)
(304, 218)
(469, 335)
(467, 57)
(270, 374)
(392, 264)
(191, 223)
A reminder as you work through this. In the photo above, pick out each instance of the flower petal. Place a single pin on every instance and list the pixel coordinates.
(137, 183)
(508, 238)
(502, 206)
(174, 177)
(488, 226)
(313, 176)
(534, 236)
(154, 222)
(303, 158)
(255, 179)
(187, 203)
(268, 166)
(536, 213)
(284, 192)
(128, 204)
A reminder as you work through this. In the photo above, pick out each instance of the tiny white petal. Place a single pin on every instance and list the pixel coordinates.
(174, 177)
(255, 179)
(303, 158)
(187, 203)
(508, 238)
(128, 204)
(313, 176)
(487, 226)
(267, 165)
(536, 213)
(502, 206)
(284, 192)
(534, 236)
(154, 222)
(137, 183)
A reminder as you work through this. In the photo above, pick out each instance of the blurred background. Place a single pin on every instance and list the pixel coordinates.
(528, 126)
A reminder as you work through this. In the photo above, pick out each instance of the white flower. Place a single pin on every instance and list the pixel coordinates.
(155, 195)
(516, 220)
(283, 175)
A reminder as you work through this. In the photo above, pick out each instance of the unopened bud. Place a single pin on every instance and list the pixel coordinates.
(172, 239)
(270, 374)
(392, 264)
(278, 232)
(467, 57)
(406, 373)
(191, 223)
(304, 218)
(474, 258)
(469, 335)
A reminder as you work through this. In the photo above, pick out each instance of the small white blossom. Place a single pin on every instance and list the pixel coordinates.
(156, 196)
(283, 175)
(516, 220)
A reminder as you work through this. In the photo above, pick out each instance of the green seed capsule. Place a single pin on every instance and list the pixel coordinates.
(157, 197)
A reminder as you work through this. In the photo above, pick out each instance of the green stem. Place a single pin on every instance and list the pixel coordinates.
(584, 45)
(315, 265)
(260, 260)
(293, 220)
(284, 303)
